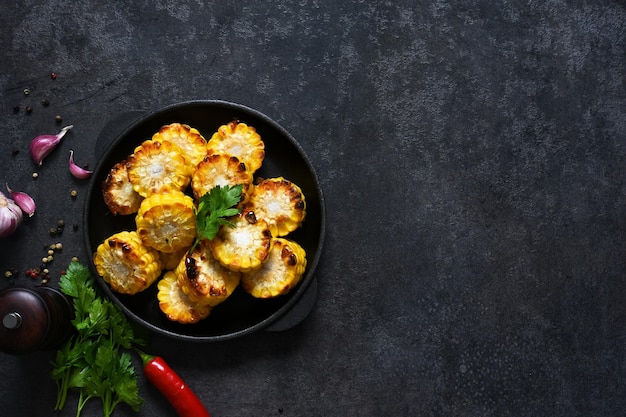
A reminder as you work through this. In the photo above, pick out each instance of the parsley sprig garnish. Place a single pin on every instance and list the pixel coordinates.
(213, 211)
(93, 361)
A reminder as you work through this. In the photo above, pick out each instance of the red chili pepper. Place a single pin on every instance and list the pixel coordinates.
(173, 388)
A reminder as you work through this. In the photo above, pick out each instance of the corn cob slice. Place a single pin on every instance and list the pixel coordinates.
(240, 140)
(166, 221)
(126, 264)
(203, 279)
(118, 192)
(279, 202)
(222, 170)
(281, 272)
(188, 139)
(157, 167)
(176, 305)
(243, 247)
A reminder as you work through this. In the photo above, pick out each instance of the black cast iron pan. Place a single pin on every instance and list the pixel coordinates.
(240, 314)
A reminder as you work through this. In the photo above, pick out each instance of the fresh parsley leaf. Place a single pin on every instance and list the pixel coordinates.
(213, 210)
(92, 361)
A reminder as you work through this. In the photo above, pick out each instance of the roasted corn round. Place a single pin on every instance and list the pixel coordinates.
(204, 279)
(156, 167)
(240, 140)
(166, 221)
(176, 305)
(188, 139)
(126, 264)
(118, 192)
(222, 170)
(245, 246)
(282, 271)
(279, 202)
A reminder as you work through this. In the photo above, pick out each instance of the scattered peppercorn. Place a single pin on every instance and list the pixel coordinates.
(35, 175)
(26, 91)
(28, 110)
(16, 109)
(53, 75)
(45, 102)
(74, 193)
(58, 118)
(15, 151)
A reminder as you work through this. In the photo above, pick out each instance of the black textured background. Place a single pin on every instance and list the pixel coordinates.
(471, 154)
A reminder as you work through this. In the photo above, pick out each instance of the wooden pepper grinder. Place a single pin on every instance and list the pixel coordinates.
(34, 319)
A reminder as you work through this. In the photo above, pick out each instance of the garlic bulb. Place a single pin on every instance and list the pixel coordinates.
(10, 216)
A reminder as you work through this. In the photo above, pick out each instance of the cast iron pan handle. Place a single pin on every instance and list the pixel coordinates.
(298, 312)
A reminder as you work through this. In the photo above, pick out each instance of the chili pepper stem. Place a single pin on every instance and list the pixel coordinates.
(145, 358)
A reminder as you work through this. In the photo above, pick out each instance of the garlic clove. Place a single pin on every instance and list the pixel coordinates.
(23, 200)
(10, 216)
(42, 145)
(77, 171)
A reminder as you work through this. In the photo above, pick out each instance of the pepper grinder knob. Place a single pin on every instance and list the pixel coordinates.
(12, 320)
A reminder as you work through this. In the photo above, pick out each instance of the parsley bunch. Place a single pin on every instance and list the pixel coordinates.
(93, 360)
(213, 209)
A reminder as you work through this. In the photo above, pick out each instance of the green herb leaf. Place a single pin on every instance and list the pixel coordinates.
(92, 361)
(213, 211)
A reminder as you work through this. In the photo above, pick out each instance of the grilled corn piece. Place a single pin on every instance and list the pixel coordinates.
(126, 264)
(240, 140)
(280, 203)
(243, 247)
(166, 221)
(188, 139)
(157, 167)
(220, 169)
(176, 305)
(203, 279)
(281, 272)
(118, 192)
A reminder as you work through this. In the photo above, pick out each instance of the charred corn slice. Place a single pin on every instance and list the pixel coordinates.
(176, 305)
(240, 140)
(126, 264)
(281, 272)
(220, 169)
(279, 202)
(187, 138)
(166, 221)
(203, 279)
(157, 167)
(118, 192)
(171, 260)
(243, 247)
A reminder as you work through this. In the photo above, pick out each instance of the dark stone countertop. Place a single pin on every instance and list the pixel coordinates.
(472, 158)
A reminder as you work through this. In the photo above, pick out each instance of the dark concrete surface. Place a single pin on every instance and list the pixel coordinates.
(472, 157)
